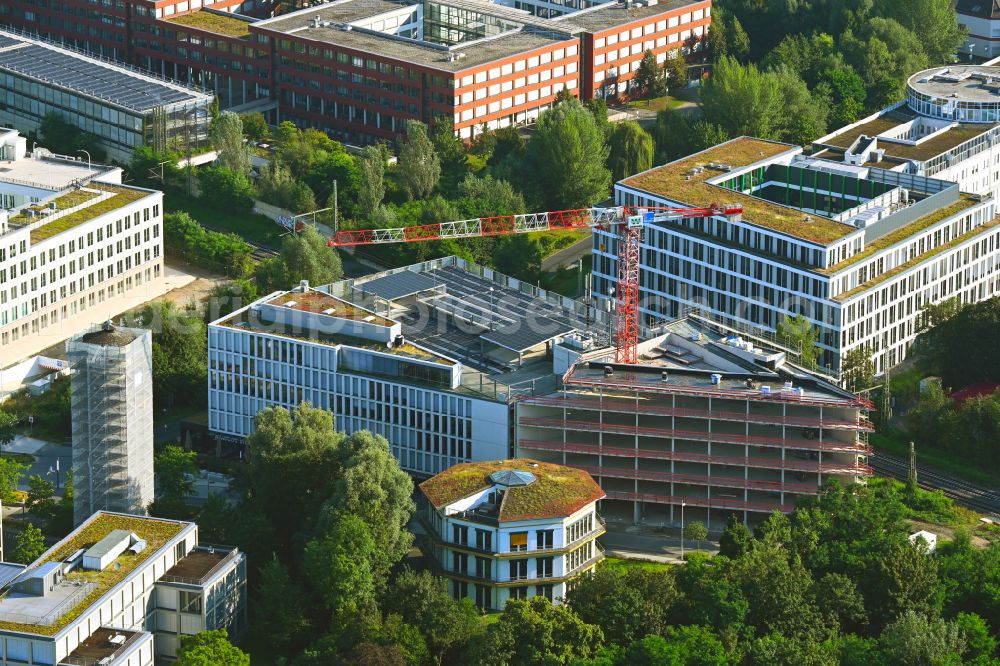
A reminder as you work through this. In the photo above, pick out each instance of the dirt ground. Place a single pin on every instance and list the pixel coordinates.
(946, 533)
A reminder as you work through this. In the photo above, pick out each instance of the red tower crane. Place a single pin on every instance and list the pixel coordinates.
(630, 219)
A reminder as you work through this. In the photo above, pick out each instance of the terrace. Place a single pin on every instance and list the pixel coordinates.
(556, 492)
(675, 182)
(318, 302)
(102, 646)
(216, 22)
(156, 533)
(198, 566)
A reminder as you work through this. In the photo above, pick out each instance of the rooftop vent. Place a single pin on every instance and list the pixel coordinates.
(329, 311)
(291, 304)
(716, 379)
(609, 371)
(664, 376)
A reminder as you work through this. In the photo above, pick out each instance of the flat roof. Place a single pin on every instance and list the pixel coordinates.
(49, 174)
(155, 531)
(397, 285)
(104, 643)
(319, 302)
(199, 563)
(92, 208)
(610, 14)
(476, 52)
(928, 149)
(673, 181)
(969, 83)
(221, 23)
(116, 85)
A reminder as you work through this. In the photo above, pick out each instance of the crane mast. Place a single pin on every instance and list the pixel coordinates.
(630, 219)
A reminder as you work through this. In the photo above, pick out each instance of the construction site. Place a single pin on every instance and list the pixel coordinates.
(112, 411)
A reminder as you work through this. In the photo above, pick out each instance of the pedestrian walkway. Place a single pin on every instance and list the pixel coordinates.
(45, 454)
(656, 544)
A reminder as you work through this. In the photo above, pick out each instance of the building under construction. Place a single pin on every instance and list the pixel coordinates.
(112, 420)
(705, 423)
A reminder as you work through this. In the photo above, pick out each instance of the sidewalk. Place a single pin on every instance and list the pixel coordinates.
(643, 542)
(45, 454)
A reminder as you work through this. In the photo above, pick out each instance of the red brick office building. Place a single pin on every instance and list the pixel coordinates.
(361, 68)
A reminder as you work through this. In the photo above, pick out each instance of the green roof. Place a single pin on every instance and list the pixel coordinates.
(557, 492)
(155, 532)
(122, 197)
(925, 150)
(917, 260)
(216, 22)
(904, 232)
(674, 182)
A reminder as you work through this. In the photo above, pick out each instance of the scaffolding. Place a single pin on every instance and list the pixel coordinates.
(112, 411)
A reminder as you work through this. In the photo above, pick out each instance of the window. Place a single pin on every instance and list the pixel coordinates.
(484, 539)
(518, 569)
(190, 602)
(518, 541)
(460, 534)
(543, 567)
(544, 539)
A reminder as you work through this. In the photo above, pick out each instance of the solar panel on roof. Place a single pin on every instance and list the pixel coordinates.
(526, 333)
(398, 285)
(88, 77)
(8, 41)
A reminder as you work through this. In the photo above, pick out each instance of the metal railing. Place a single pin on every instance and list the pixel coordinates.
(112, 654)
(221, 564)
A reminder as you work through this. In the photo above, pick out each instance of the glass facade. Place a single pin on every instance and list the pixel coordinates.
(953, 109)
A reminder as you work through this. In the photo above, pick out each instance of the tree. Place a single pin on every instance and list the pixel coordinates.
(533, 632)
(903, 579)
(804, 117)
(736, 538)
(705, 135)
(727, 37)
(800, 335)
(11, 472)
(934, 23)
(696, 531)
(340, 564)
(650, 77)
(743, 100)
(419, 164)
(174, 469)
(371, 190)
(278, 612)
(374, 488)
(954, 346)
(858, 370)
(565, 159)
(8, 425)
(675, 70)
(631, 150)
(226, 189)
(304, 256)
(627, 604)
(679, 646)
(67, 138)
(180, 362)
(423, 600)
(210, 648)
(980, 645)
(846, 91)
(917, 640)
(563, 95)
(671, 136)
(227, 137)
(255, 126)
(29, 545)
(40, 495)
(451, 153)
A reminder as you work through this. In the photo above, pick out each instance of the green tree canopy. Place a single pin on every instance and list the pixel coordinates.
(228, 139)
(565, 159)
(371, 191)
(419, 164)
(29, 544)
(341, 565)
(651, 78)
(743, 100)
(210, 648)
(800, 335)
(304, 256)
(8, 425)
(631, 150)
(180, 360)
(627, 604)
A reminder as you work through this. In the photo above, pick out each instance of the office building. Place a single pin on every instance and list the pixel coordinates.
(119, 590)
(511, 529)
(982, 21)
(360, 69)
(706, 420)
(430, 356)
(76, 246)
(857, 247)
(120, 105)
(112, 411)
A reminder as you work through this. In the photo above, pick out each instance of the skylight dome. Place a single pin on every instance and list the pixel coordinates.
(512, 478)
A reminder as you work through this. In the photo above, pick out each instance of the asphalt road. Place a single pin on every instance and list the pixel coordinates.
(568, 255)
(962, 492)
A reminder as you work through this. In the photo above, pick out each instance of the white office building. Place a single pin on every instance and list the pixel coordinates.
(857, 246)
(76, 246)
(119, 590)
(307, 346)
(511, 529)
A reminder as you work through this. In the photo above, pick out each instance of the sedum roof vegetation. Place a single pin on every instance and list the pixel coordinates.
(213, 22)
(904, 232)
(673, 181)
(557, 492)
(122, 197)
(155, 532)
(925, 150)
(972, 233)
(318, 302)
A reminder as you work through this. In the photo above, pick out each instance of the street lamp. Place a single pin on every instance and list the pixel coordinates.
(55, 471)
(683, 504)
(88, 158)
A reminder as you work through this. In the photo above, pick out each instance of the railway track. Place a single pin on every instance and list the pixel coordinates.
(978, 498)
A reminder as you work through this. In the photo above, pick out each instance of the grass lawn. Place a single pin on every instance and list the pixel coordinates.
(256, 228)
(656, 104)
(897, 442)
(625, 564)
(566, 281)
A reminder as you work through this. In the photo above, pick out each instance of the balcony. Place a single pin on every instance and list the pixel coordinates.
(102, 647)
(433, 536)
(200, 565)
